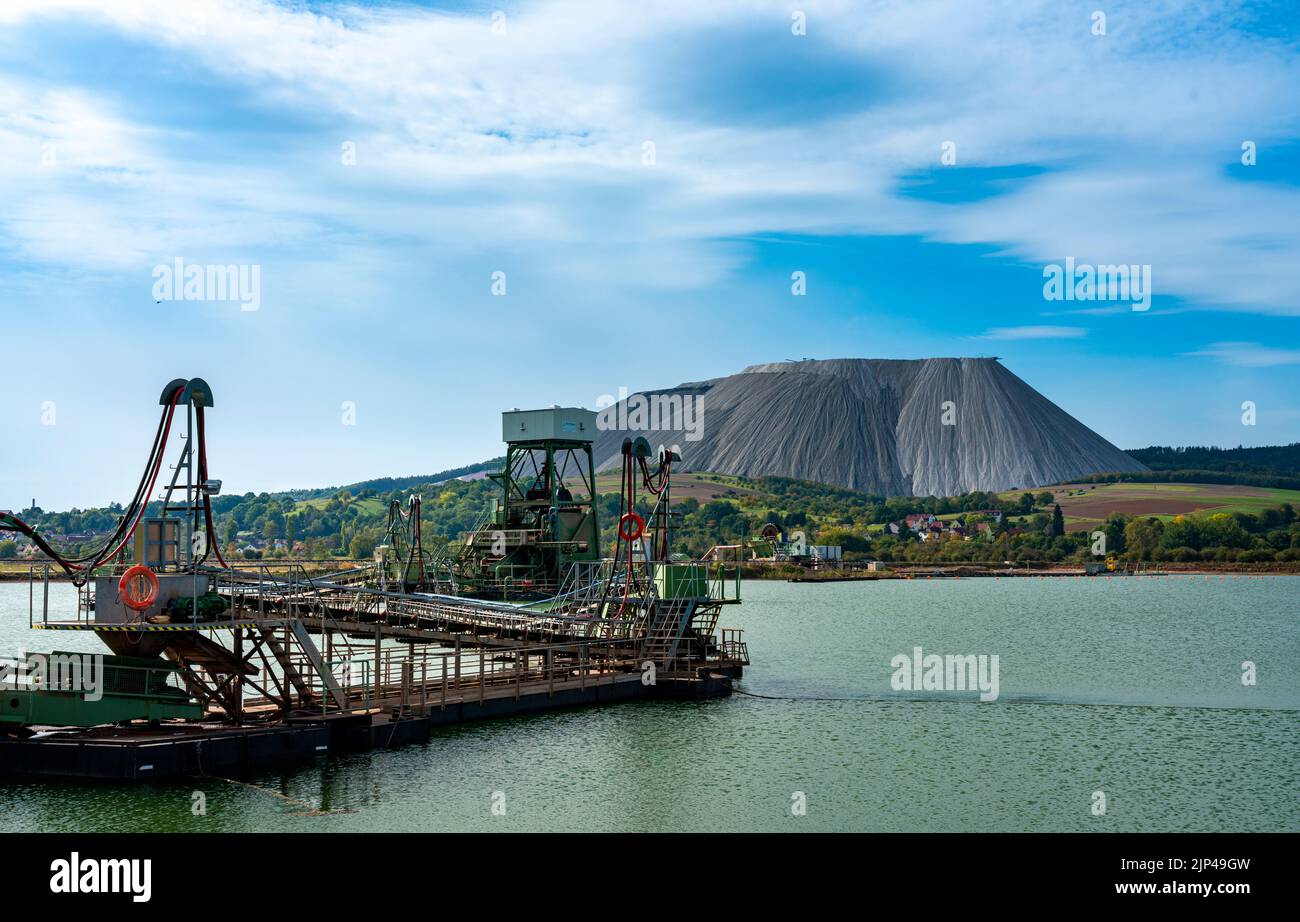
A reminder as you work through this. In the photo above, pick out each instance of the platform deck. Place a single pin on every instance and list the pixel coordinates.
(170, 750)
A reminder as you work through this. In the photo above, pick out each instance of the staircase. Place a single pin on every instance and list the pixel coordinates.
(666, 625)
(291, 673)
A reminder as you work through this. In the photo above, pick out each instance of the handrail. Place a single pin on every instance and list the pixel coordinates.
(466, 673)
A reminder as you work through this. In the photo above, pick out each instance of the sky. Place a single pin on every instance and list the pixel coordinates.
(458, 208)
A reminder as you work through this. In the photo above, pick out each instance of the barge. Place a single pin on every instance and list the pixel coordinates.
(224, 670)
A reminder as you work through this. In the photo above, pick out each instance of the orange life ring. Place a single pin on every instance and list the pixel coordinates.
(129, 584)
(638, 524)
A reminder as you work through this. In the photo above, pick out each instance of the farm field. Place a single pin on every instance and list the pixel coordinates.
(370, 505)
(1086, 505)
(685, 486)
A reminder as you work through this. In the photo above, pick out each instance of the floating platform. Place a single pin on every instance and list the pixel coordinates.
(141, 753)
(222, 671)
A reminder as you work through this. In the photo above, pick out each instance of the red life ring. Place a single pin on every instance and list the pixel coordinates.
(130, 583)
(638, 524)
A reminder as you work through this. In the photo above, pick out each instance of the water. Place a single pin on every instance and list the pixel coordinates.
(1127, 686)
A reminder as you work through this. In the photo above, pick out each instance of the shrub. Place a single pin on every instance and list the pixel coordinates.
(1256, 556)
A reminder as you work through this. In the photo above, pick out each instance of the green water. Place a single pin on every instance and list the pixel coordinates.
(1127, 686)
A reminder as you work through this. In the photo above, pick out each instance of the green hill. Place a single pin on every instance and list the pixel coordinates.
(1240, 521)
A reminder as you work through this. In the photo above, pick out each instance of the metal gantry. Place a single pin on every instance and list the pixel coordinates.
(273, 644)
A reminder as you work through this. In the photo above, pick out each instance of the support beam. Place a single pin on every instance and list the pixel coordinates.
(313, 655)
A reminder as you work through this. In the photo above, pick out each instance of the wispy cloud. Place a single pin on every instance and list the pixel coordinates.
(1034, 332)
(1249, 355)
(631, 169)
(536, 138)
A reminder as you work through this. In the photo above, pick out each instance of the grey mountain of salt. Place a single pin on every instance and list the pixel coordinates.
(877, 425)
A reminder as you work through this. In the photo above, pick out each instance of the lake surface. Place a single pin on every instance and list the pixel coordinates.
(1129, 686)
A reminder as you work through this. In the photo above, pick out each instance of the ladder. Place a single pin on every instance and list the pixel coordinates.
(317, 662)
(667, 622)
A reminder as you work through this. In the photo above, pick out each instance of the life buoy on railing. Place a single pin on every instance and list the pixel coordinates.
(637, 526)
(138, 587)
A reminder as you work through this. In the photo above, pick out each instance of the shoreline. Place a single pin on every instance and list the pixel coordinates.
(767, 572)
(974, 571)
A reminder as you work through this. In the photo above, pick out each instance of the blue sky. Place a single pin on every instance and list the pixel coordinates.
(215, 132)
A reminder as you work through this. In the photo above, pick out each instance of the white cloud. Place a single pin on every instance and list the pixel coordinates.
(1249, 355)
(1035, 332)
(532, 141)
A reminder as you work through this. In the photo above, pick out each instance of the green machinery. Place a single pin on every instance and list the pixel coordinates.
(544, 518)
(400, 557)
(62, 689)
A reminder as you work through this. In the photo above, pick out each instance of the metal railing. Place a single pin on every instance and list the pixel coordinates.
(409, 677)
(733, 649)
(720, 580)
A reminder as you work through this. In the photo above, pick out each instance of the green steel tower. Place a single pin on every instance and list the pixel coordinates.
(545, 516)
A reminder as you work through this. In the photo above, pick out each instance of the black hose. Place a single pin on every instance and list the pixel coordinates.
(70, 564)
(129, 513)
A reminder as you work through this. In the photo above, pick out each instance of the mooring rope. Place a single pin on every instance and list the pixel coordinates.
(311, 810)
(741, 691)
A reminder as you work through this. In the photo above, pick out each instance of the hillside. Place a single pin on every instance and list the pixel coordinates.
(1087, 506)
(389, 484)
(1275, 466)
(1278, 460)
(1159, 522)
(930, 427)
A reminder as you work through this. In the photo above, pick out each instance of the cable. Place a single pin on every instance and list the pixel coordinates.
(741, 691)
(213, 544)
(80, 567)
(630, 493)
(18, 525)
(618, 535)
(662, 477)
(144, 505)
(74, 562)
(140, 494)
(413, 540)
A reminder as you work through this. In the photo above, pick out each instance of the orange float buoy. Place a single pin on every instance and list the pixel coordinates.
(138, 587)
(637, 526)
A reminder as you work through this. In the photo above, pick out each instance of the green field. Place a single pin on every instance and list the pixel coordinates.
(370, 506)
(1087, 505)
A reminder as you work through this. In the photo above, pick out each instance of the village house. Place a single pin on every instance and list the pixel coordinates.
(933, 531)
(920, 521)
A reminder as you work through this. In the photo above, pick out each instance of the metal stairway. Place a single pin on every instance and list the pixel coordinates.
(667, 623)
